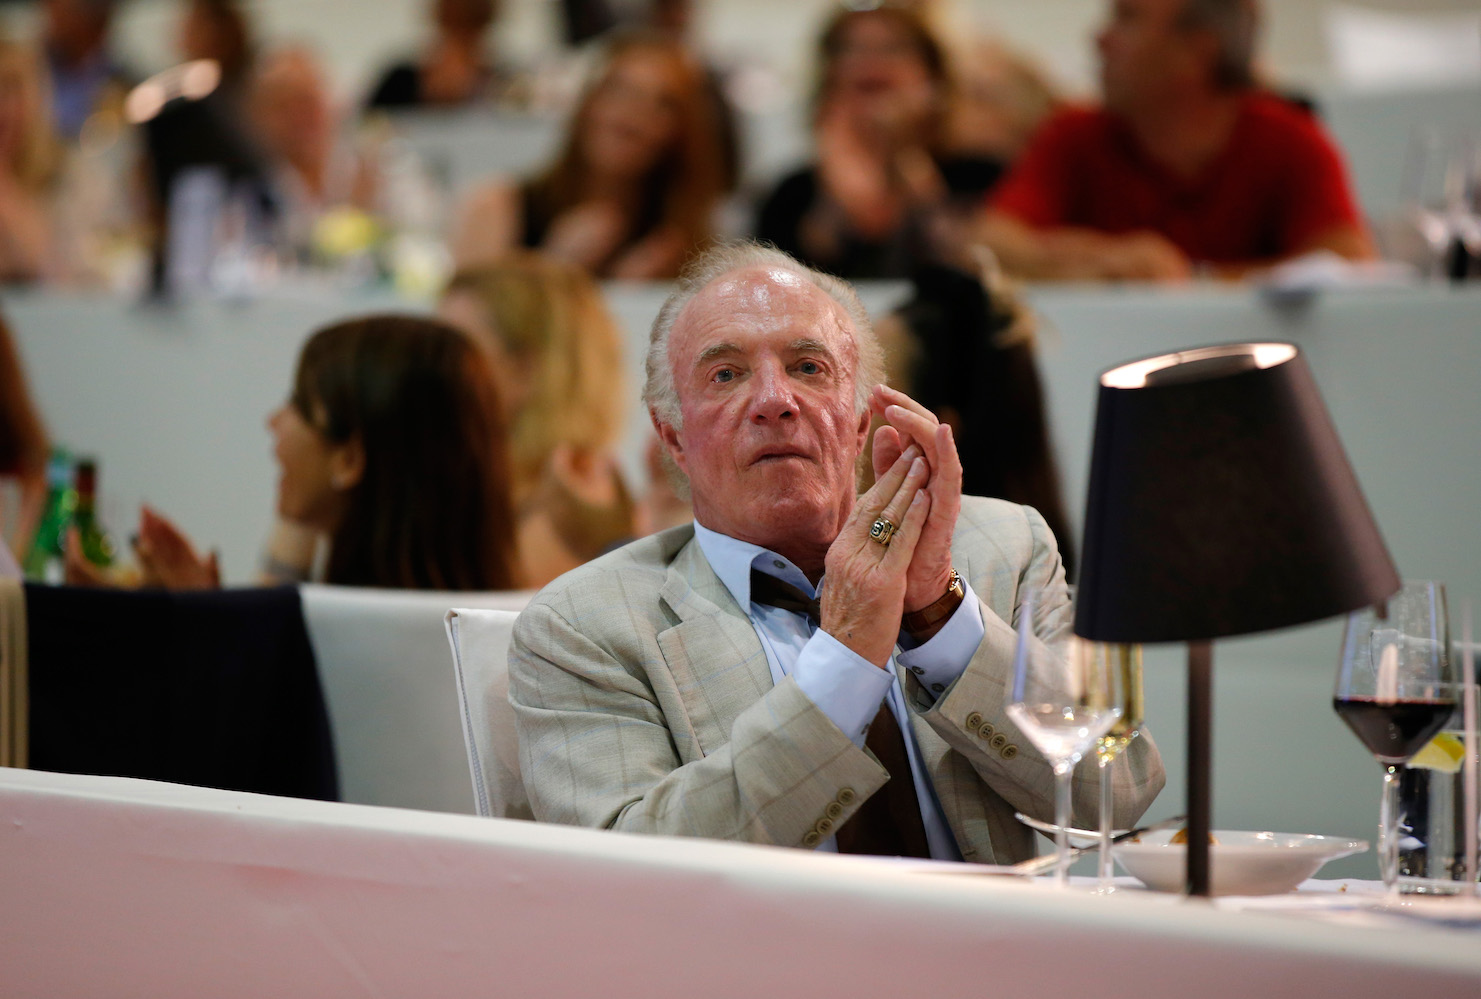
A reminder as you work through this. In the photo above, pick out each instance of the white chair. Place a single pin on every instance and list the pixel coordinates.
(393, 708)
(480, 646)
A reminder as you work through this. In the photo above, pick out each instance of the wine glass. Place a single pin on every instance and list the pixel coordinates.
(1119, 667)
(1058, 701)
(1395, 690)
(1441, 176)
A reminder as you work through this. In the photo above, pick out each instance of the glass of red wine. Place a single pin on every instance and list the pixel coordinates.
(1396, 690)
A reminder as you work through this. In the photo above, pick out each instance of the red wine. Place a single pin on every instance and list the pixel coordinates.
(1393, 730)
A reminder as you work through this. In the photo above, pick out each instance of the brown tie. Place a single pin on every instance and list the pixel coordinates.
(889, 822)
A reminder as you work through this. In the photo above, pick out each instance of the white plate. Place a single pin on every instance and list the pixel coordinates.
(1240, 863)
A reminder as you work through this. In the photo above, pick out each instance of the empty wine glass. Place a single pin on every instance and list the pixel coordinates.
(1059, 701)
(1119, 668)
(1395, 690)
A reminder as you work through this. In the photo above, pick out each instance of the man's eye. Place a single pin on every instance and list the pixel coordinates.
(724, 375)
(809, 367)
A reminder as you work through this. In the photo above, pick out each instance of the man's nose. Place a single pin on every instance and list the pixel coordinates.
(772, 397)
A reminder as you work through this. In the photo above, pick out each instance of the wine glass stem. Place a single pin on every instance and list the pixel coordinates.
(1105, 871)
(1388, 830)
(1062, 776)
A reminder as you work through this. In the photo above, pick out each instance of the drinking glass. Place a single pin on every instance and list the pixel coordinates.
(1119, 668)
(1058, 700)
(1395, 690)
(1441, 186)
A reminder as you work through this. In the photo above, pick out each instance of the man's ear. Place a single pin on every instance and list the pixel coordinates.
(347, 464)
(669, 438)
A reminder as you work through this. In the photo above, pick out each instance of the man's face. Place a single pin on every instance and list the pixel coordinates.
(763, 363)
(1147, 54)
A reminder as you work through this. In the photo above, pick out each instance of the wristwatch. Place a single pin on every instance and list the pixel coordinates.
(942, 608)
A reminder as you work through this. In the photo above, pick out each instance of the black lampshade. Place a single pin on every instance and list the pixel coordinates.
(1221, 502)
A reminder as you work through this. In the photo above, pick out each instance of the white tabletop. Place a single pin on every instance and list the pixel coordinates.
(116, 887)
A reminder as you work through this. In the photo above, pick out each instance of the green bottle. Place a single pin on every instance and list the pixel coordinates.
(97, 546)
(44, 562)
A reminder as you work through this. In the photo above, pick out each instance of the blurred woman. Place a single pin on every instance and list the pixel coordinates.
(391, 449)
(633, 191)
(884, 191)
(219, 30)
(557, 358)
(29, 158)
(23, 451)
(453, 69)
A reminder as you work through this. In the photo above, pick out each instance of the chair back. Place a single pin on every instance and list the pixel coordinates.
(216, 688)
(393, 707)
(480, 646)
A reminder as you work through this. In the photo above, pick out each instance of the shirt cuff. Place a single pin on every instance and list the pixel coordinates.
(938, 662)
(843, 684)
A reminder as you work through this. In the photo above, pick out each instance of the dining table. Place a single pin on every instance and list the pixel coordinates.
(120, 887)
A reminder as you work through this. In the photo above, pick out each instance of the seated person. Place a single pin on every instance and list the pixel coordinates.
(557, 357)
(454, 68)
(292, 117)
(86, 78)
(884, 190)
(634, 189)
(220, 30)
(391, 449)
(29, 169)
(1186, 165)
(23, 451)
(711, 680)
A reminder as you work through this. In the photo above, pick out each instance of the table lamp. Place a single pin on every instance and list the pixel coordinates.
(1221, 503)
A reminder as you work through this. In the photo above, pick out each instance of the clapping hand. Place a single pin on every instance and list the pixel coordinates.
(908, 423)
(865, 578)
(168, 560)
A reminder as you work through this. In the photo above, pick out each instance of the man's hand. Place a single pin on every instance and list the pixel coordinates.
(909, 423)
(865, 582)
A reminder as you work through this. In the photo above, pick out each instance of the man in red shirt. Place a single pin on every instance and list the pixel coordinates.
(1186, 165)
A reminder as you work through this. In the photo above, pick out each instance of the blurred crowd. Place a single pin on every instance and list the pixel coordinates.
(239, 164)
(951, 161)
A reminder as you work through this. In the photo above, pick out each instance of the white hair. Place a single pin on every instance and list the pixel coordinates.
(659, 393)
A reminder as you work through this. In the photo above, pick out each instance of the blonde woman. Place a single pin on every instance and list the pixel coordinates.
(558, 362)
(29, 157)
(632, 193)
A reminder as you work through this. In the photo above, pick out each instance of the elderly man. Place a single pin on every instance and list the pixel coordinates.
(690, 683)
(1188, 165)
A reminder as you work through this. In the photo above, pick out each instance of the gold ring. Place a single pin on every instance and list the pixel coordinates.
(882, 531)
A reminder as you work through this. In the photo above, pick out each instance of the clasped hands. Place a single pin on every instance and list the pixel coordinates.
(918, 488)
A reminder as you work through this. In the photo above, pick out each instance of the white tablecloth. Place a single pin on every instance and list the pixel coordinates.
(115, 887)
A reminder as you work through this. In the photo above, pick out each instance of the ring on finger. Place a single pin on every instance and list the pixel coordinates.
(882, 531)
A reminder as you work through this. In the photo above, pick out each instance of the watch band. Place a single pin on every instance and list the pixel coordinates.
(939, 610)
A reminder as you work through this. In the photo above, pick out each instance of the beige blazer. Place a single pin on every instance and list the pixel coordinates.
(644, 703)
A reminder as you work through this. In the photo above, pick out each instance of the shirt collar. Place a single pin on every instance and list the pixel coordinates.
(733, 560)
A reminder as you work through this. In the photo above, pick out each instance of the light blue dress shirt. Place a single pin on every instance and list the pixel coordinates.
(845, 686)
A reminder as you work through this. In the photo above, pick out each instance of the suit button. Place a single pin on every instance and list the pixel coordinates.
(824, 826)
(973, 720)
(812, 838)
(986, 731)
(846, 796)
(1009, 751)
(918, 671)
(999, 741)
(938, 687)
(834, 810)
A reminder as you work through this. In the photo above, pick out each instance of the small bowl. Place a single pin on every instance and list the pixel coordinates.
(1240, 863)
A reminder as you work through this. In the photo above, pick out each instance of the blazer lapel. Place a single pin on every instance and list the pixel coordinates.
(713, 653)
